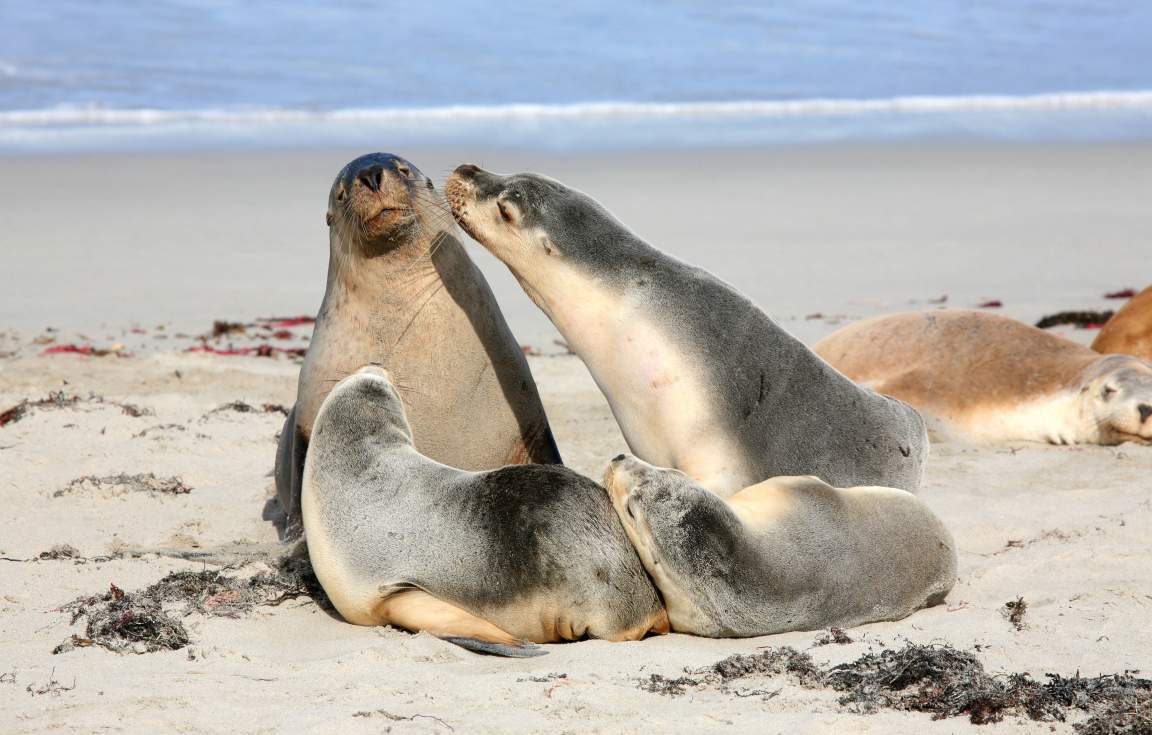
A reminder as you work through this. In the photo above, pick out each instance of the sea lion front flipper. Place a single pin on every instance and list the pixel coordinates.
(523, 649)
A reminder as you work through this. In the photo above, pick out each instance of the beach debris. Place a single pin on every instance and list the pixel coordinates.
(149, 620)
(399, 718)
(284, 322)
(242, 407)
(221, 328)
(256, 351)
(991, 304)
(940, 680)
(60, 551)
(834, 635)
(75, 349)
(772, 662)
(1124, 293)
(159, 428)
(1014, 610)
(53, 687)
(62, 399)
(530, 350)
(8, 677)
(124, 484)
(545, 679)
(1079, 319)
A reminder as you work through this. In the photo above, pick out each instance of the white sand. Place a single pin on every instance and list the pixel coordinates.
(971, 225)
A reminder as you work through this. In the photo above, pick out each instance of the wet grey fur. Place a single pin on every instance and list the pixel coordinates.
(483, 541)
(790, 412)
(830, 559)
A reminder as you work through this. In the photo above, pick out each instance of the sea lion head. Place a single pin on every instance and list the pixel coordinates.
(685, 537)
(378, 202)
(534, 223)
(365, 406)
(1118, 393)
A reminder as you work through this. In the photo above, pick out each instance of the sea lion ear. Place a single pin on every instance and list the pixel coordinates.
(328, 219)
(547, 244)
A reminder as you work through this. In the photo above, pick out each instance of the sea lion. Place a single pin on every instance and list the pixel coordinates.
(789, 553)
(1129, 331)
(997, 379)
(486, 559)
(403, 293)
(697, 376)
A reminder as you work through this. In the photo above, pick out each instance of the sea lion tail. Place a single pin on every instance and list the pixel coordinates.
(521, 649)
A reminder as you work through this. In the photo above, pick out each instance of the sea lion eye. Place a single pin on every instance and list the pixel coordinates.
(341, 194)
(505, 212)
(404, 170)
(1108, 392)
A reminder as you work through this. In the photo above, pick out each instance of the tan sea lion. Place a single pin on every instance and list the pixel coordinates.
(403, 293)
(484, 559)
(997, 379)
(697, 376)
(789, 553)
(1129, 331)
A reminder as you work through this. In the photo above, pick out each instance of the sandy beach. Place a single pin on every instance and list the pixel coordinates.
(141, 253)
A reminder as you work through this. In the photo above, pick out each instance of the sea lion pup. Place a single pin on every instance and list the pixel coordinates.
(997, 379)
(697, 376)
(403, 293)
(789, 553)
(486, 559)
(1129, 331)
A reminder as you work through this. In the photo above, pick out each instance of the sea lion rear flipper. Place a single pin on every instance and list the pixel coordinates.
(523, 649)
(416, 609)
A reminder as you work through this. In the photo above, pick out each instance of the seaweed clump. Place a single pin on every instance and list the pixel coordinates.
(123, 484)
(151, 619)
(941, 681)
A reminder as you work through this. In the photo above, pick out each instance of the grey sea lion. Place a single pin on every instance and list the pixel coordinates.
(486, 559)
(403, 293)
(697, 376)
(991, 378)
(789, 553)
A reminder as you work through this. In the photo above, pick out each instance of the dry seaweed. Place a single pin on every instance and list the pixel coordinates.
(942, 681)
(150, 619)
(242, 407)
(123, 484)
(52, 686)
(60, 551)
(772, 662)
(1014, 610)
(834, 635)
(399, 718)
(1081, 319)
(62, 399)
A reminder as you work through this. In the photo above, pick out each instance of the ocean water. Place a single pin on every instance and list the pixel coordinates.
(162, 73)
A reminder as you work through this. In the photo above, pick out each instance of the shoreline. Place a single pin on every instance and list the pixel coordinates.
(843, 229)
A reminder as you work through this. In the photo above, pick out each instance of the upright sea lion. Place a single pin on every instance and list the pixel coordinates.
(789, 553)
(997, 379)
(1129, 331)
(697, 376)
(487, 559)
(403, 293)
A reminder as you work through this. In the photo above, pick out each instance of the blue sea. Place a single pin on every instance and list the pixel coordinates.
(129, 74)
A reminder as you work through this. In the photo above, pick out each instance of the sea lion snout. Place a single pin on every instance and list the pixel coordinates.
(1145, 412)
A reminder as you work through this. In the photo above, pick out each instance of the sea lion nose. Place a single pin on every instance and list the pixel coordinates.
(1145, 411)
(371, 176)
